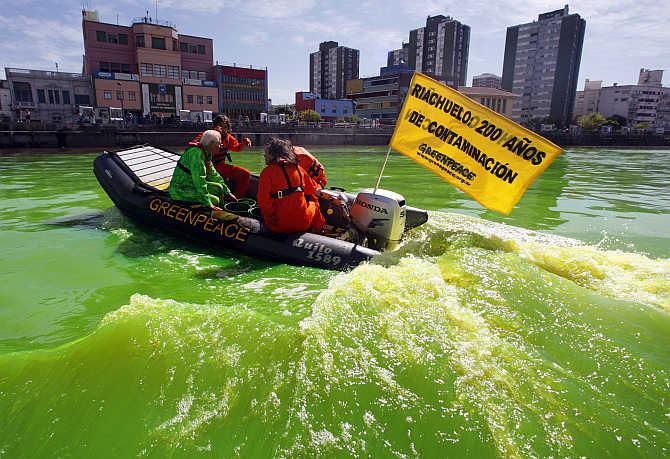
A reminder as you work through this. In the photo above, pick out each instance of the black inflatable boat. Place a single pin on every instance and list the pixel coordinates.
(136, 179)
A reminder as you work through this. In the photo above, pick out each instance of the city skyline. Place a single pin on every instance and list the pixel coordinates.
(280, 35)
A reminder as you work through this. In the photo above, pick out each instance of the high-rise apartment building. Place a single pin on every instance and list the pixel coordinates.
(398, 56)
(329, 69)
(440, 50)
(542, 65)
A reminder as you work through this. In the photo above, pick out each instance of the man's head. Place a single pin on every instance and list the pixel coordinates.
(222, 124)
(278, 150)
(211, 141)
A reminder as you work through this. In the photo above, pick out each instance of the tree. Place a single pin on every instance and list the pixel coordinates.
(353, 119)
(310, 115)
(591, 122)
(616, 120)
(643, 126)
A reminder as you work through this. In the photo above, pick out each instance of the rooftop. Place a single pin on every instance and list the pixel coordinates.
(477, 91)
(11, 72)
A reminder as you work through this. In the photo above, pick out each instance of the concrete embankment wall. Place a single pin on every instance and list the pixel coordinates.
(108, 139)
(99, 139)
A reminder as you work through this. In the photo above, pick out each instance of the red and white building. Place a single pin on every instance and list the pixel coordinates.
(148, 67)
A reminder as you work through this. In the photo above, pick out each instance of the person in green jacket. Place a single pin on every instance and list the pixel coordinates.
(195, 179)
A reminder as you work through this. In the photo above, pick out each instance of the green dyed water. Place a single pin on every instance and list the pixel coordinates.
(544, 333)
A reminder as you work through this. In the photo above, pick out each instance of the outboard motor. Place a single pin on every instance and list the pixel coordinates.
(380, 216)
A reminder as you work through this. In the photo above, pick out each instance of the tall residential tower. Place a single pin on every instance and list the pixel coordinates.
(542, 65)
(440, 49)
(330, 68)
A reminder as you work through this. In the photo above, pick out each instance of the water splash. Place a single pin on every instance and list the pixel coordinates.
(475, 339)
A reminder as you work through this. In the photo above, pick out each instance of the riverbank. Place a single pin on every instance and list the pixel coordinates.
(93, 138)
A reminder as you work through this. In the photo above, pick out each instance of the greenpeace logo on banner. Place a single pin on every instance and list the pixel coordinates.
(481, 152)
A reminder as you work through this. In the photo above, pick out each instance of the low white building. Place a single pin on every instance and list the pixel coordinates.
(587, 101)
(48, 98)
(638, 103)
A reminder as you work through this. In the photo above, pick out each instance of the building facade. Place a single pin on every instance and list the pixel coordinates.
(329, 109)
(48, 98)
(641, 104)
(398, 56)
(5, 102)
(330, 68)
(496, 99)
(243, 92)
(440, 50)
(586, 101)
(380, 97)
(541, 65)
(148, 68)
(486, 80)
(663, 114)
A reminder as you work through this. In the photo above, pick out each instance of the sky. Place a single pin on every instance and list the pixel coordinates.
(621, 36)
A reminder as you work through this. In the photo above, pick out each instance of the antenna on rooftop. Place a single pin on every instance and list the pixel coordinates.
(156, 11)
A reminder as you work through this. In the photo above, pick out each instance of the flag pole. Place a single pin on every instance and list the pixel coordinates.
(381, 172)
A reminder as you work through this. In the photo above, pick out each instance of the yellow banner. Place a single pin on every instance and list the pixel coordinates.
(486, 155)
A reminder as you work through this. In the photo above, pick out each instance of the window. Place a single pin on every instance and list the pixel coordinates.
(66, 97)
(209, 100)
(160, 70)
(100, 35)
(51, 96)
(115, 67)
(123, 39)
(131, 95)
(104, 66)
(158, 42)
(201, 100)
(112, 38)
(173, 72)
(183, 46)
(193, 74)
(107, 95)
(175, 46)
(184, 73)
(202, 76)
(119, 95)
(82, 99)
(139, 41)
(146, 69)
(189, 98)
(125, 68)
(193, 49)
(57, 96)
(201, 49)
(41, 98)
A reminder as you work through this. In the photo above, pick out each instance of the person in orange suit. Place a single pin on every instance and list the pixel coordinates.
(286, 192)
(312, 166)
(236, 177)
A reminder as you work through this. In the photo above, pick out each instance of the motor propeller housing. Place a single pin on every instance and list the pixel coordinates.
(380, 215)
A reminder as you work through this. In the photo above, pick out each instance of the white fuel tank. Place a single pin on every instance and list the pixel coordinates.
(381, 216)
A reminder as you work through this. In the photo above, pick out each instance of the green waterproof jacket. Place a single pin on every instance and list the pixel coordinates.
(191, 186)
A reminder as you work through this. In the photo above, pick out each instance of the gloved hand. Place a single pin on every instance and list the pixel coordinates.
(246, 141)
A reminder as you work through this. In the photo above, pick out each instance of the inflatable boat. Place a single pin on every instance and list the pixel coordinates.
(136, 179)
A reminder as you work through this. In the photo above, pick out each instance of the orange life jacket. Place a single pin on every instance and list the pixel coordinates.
(312, 166)
(284, 192)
